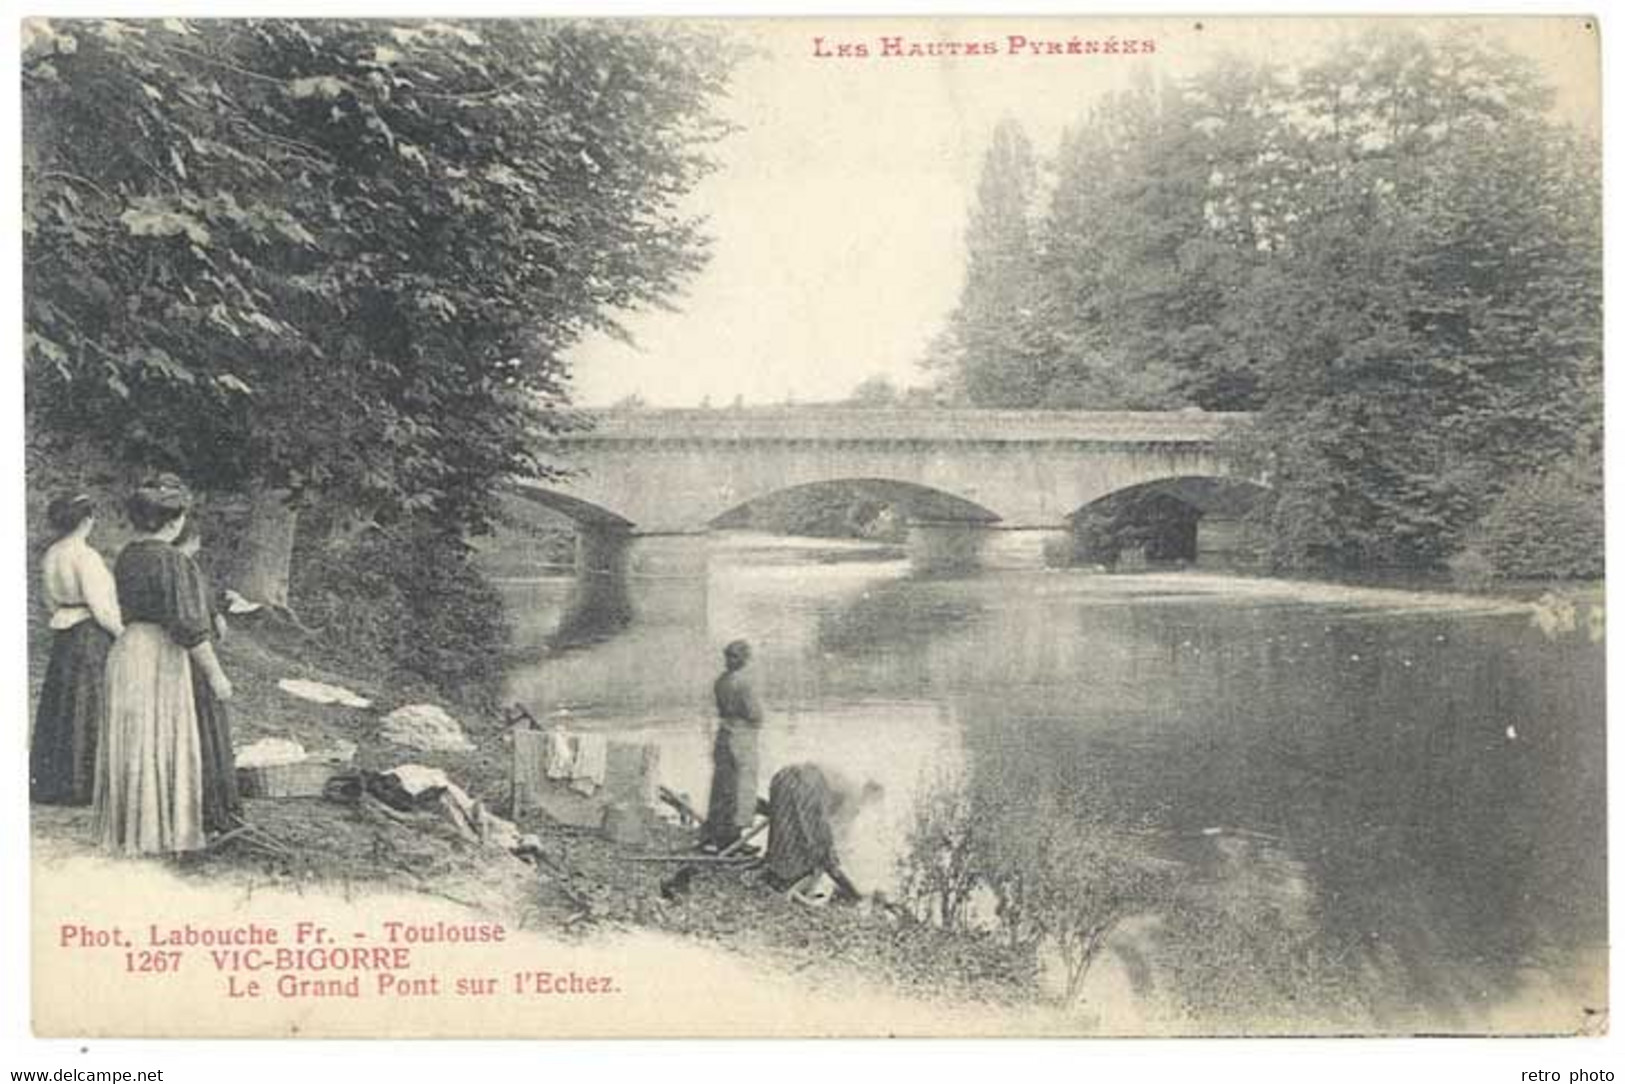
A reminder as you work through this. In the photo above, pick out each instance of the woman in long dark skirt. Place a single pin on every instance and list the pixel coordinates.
(85, 616)
(731, 808)
(222, 805)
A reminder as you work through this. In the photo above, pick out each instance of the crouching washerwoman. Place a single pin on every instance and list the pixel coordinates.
(811, 810)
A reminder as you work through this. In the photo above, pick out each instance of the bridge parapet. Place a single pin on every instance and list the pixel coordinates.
(827, 425)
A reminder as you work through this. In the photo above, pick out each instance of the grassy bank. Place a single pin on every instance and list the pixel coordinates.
(583, 885)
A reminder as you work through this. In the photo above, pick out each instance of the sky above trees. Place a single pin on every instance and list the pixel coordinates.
(840, 209)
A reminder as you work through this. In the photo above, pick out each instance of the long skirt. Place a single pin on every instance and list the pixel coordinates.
(801, 840)
(68, 723)
(222, 806)
(149, 776)
(732, 804)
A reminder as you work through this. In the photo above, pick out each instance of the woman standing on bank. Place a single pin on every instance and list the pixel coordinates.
(85, 619)
(222, 805)
(149, 780)
(731, 809)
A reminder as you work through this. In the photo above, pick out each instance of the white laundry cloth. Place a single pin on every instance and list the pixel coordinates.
(322, 693)
(591, 762)
(427, 727)
(270, 751)
(559, 756)
(237, 604)
(417, 778)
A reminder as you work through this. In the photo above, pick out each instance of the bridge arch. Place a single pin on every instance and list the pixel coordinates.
(1220, 493)
(818, 507)
(583, 513)
(1189, 518)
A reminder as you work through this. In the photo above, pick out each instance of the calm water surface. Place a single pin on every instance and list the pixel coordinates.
(1409, 787)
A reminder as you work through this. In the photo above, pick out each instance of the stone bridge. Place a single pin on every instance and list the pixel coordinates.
(675, 472)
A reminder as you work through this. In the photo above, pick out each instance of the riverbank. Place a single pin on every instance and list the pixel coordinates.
(1265, 924)
(1382, 596)
(583, 888)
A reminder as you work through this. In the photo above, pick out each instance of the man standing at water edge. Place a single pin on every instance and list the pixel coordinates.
(732, 805)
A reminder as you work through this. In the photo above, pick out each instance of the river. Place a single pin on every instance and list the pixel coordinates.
(1384, 809)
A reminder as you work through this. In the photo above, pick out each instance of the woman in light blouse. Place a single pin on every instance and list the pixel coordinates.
(85, 619)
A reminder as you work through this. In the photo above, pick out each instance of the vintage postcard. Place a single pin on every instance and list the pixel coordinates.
(814, 527)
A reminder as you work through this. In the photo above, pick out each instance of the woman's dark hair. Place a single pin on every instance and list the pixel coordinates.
(66, 513)
(157, 502)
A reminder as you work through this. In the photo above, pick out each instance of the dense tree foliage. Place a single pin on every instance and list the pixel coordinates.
(341, 259)
(1545, 523)
(996, 347)
(1391, 254)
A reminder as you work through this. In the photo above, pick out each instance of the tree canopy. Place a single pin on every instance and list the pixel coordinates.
(992, 349)
(345, 256)
(1392, 254)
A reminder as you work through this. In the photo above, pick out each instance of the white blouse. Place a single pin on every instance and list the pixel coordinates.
(78, 586)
